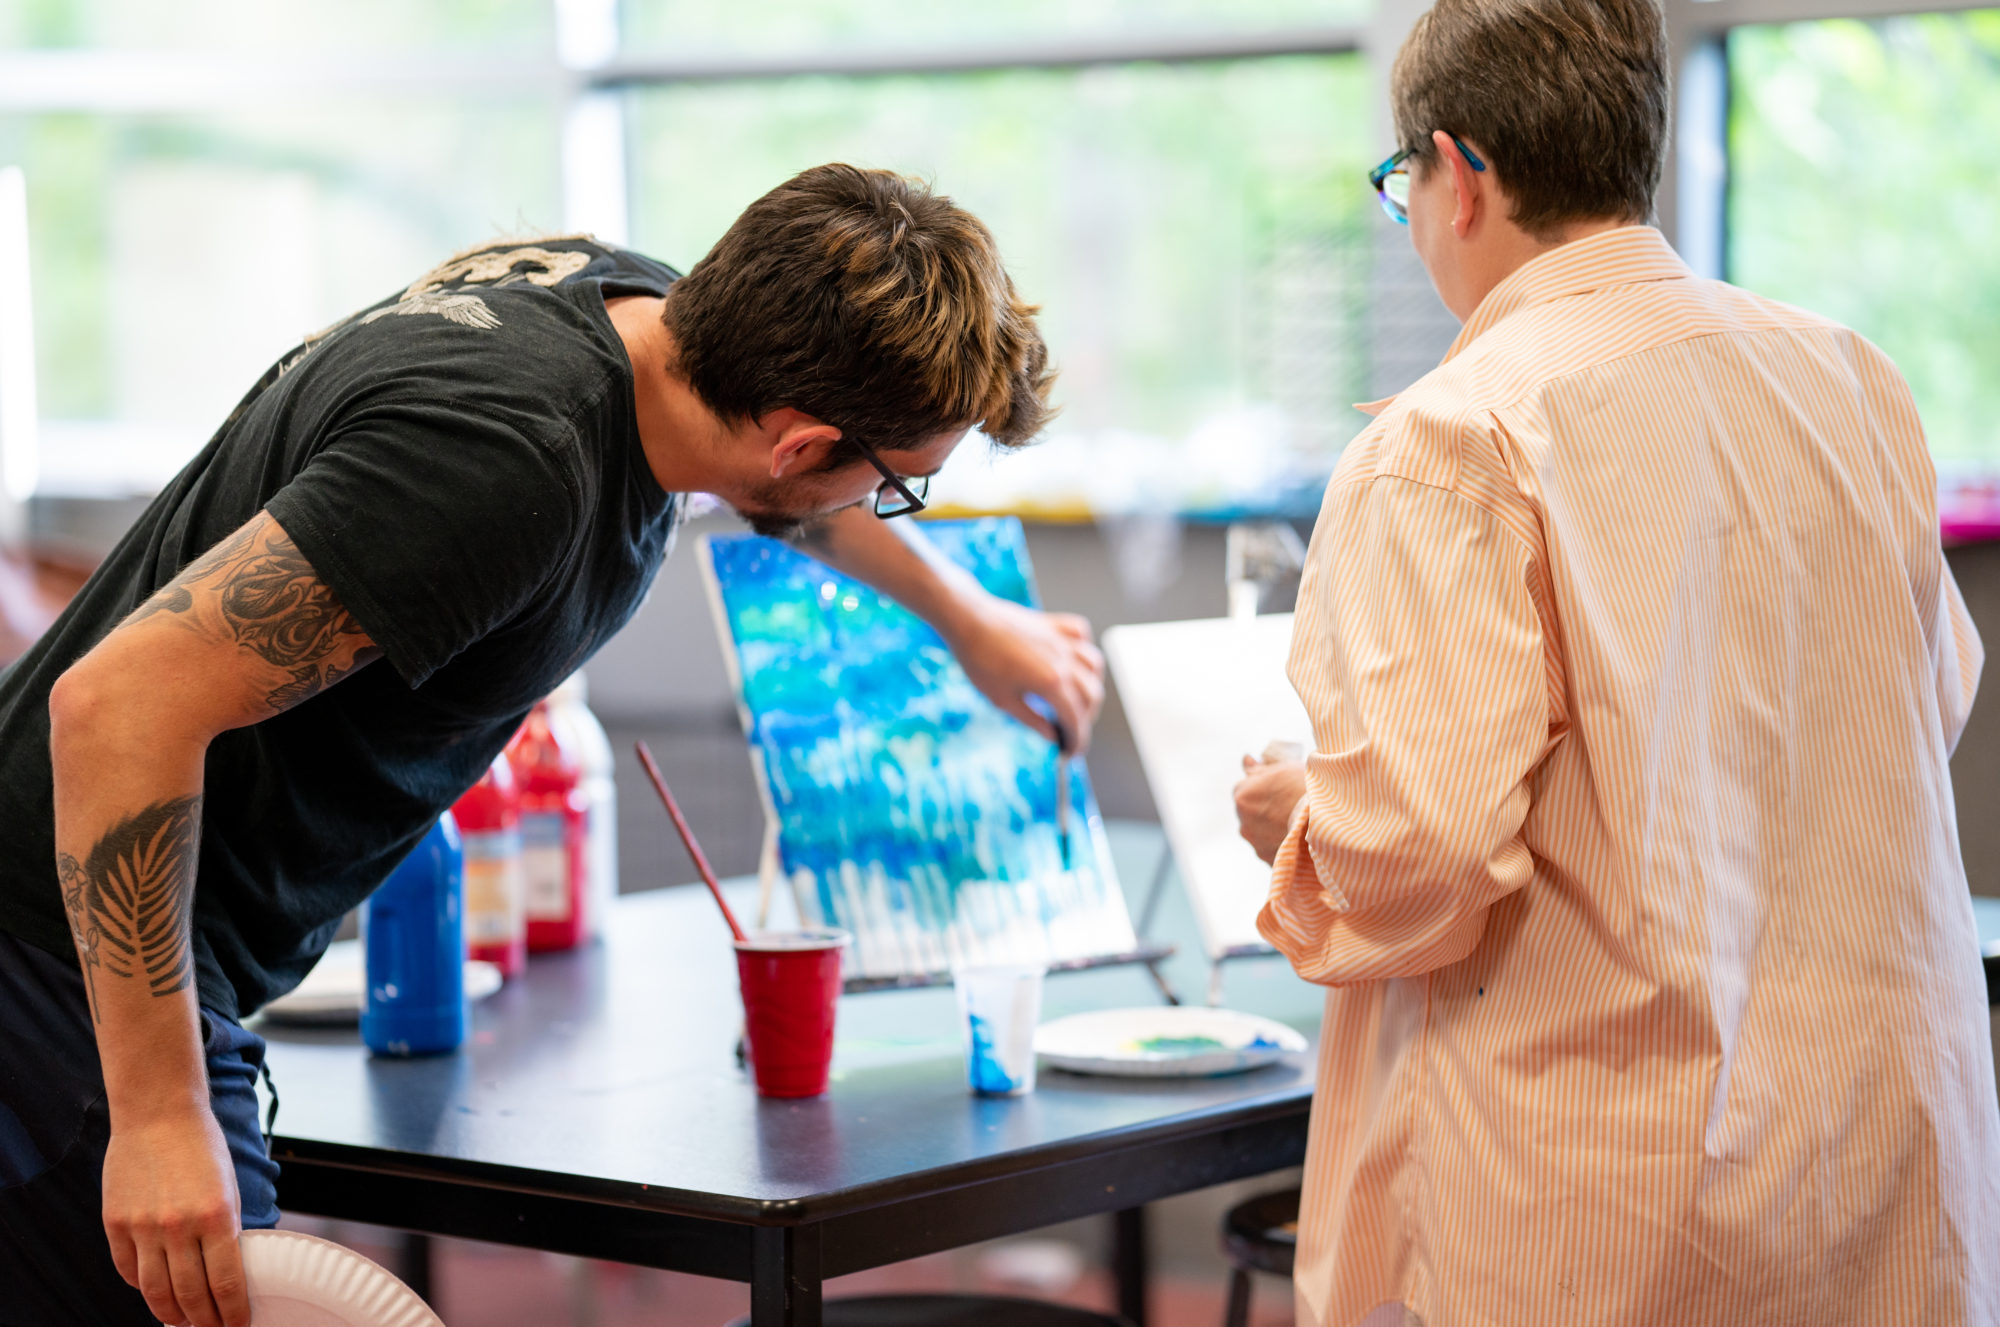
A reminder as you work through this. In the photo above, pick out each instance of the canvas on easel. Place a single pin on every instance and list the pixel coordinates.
(1200, 696)
(909, 810)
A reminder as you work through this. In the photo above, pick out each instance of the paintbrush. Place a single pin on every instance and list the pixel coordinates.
(1048, 716)
(687, 837)
(1062, 793)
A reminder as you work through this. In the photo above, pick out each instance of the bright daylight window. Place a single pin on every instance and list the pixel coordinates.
(780, 26)
(1195, 232)
(1860, 188)
(179, 242)
(1196, 235)
(175, 257)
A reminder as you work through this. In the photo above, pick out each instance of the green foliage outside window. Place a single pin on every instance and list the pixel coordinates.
(671, 26)
(1195, 234)
(1198, 234)
(291, 27)
(173, 256)
(1861, 186)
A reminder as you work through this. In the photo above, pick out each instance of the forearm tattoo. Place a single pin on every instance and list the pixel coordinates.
(271, 602)
(130, 899)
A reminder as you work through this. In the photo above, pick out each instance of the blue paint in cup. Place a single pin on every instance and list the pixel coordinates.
(999, 1006)
(989, 1078)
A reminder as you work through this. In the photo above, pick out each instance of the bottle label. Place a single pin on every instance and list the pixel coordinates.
(545, 865)
(494, 896)
(490, 843)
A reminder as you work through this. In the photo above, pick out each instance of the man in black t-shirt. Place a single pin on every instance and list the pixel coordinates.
(474, 482)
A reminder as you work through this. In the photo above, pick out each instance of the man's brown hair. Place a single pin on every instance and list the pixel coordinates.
(868, 302)
(1566, 101)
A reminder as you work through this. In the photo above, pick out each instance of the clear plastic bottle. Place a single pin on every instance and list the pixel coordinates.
(489, 825)
(570, 713)
(553, 825)
(413, 937)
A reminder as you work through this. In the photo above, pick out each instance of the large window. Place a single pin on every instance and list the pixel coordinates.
(176, 256)
(291, 30)
(1178, 183)
(1861, 186)
(1195, 234)
(210, 180)
(768, 26)
(1175, 182)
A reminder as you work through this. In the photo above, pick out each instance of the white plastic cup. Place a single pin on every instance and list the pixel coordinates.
(999, 1005)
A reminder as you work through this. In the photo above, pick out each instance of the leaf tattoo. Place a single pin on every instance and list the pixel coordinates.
(130, 900)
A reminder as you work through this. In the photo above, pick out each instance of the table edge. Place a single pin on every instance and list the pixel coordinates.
(807, 1209)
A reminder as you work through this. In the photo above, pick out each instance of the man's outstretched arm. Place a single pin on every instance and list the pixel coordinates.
(243, 633)
(1009, 652)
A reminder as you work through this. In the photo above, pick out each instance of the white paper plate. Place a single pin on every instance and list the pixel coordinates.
(333, 991)
(1164, 1042)
(298, 1280)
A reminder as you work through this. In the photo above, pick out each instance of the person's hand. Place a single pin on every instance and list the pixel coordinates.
(1266, 797)
(1010, 653)
(172, 1214)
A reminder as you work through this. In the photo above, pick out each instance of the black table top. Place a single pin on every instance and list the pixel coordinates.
(608, 1073)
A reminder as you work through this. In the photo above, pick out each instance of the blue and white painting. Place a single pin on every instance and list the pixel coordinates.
(911, 811)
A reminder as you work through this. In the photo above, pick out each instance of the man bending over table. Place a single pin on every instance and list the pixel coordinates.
(1628, 844)
(474, 480)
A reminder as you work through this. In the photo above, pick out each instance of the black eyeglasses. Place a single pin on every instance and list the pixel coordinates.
(895, 495)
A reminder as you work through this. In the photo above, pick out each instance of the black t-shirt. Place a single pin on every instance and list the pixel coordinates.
(461, 465)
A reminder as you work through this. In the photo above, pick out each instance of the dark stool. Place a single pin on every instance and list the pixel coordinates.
(955, 1311)
(1258, 1236)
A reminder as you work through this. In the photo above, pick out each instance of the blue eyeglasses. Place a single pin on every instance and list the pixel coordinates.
(1391, 181)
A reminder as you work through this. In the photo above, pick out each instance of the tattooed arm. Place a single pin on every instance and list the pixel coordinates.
(243, 633)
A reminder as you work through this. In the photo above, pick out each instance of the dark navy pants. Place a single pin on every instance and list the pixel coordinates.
(55, 1264)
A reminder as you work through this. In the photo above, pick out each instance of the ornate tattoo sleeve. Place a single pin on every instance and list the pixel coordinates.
(129, 900)
(257, 589)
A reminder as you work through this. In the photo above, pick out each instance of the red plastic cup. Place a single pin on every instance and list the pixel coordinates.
(791, 986)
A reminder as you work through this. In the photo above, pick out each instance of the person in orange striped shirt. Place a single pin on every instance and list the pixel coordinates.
(1628, 846)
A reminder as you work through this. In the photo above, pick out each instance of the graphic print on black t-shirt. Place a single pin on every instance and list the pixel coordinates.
(498, 267)
(460, 463)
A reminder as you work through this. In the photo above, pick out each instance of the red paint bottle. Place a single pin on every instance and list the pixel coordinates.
(489, 826)
(554, 832)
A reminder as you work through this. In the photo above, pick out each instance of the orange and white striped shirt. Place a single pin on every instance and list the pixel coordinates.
(1628, 846)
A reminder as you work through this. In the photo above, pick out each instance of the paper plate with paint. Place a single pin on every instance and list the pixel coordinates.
(1164, 1042)
(298, 1280)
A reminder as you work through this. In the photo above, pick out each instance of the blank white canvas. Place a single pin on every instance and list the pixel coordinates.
(1200, 696)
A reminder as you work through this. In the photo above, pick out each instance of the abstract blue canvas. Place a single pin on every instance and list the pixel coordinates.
(911, 811)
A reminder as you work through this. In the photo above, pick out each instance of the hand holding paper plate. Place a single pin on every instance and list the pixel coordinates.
(299, 1280)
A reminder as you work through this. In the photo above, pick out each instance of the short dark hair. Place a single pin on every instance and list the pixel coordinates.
(1566, 100)
(868, 302)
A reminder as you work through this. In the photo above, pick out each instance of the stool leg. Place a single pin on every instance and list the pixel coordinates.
(416, 1264)
(1238, 1312)
(1129, 1261)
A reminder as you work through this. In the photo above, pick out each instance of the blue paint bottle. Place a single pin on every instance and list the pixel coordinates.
(413, 933)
